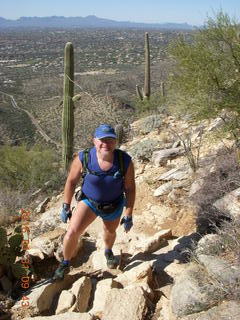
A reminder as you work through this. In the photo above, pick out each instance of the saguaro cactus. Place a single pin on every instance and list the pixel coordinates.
(147, 89)
(68, 114)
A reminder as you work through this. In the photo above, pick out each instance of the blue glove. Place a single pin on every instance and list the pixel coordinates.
(66, 213)
(127, 223)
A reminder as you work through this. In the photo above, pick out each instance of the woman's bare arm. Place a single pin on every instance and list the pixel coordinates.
(130, 189)
(72, 179)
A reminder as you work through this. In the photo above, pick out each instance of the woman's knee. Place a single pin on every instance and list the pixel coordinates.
(72, 233)
(111, 226)
(110, 229)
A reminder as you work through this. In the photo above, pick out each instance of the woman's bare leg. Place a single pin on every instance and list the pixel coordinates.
(109, 232)
(81, 219)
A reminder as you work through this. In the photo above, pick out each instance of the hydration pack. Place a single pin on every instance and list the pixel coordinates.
(119, 173)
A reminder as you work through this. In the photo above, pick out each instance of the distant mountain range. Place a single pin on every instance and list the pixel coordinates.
(86, 22)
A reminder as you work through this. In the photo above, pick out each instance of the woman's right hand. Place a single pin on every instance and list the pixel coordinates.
(66, 213)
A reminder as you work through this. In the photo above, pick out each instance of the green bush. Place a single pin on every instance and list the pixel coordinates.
(23, 169)
(206, 78)
(155, 103)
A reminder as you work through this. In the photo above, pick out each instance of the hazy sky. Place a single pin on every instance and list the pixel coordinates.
(190, 11)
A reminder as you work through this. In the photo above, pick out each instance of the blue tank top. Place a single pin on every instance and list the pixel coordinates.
(103, 188)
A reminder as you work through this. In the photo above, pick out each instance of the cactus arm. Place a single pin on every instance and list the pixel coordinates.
(139, 92)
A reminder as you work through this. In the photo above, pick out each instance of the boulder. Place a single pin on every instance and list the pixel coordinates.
(215, 124)
(148, 292)
(132, 274)
(51, 244)
(195, 292)
(196, 186)
(160, 158)
(65, 301)
(230, 203)
(42, 206)
(41, 296)
(36, 253)
(82, 291)
(101, 292)
(221, 270)
(163, 189)
(175, 174)
(48, 241)
(65, 316)
(142, 151)
(226, 310)
(169, 187)
(125, 304)
(48, 221)
(155, 242)
(146, 124)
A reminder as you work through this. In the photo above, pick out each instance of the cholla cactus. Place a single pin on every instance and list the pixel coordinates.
(119, 132)
(68, 106)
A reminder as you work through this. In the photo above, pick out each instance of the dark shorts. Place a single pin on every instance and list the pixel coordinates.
(106, 216)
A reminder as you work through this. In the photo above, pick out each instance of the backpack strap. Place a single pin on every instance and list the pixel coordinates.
(86, 158)
(121, 162)
(85, 161)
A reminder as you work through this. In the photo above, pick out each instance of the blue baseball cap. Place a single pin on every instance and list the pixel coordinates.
(105, 131)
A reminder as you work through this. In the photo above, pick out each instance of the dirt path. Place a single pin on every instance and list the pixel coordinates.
(33, 120)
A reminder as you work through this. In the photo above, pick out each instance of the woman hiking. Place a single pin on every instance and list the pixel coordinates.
(108, 186)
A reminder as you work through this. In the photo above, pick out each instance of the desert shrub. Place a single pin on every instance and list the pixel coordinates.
(206, 78)
(156, 103)
(230, 238)
(225, 244)
(10, 203)
(24, 170)
(191, 151)
(223, 177)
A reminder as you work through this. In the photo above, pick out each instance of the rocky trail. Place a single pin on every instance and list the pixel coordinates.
(155, 279)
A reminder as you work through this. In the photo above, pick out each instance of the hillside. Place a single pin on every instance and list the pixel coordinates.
(170, 213)
(180, 261)
(108, 63)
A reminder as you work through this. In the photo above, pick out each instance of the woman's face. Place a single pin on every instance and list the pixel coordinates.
(105, 145)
